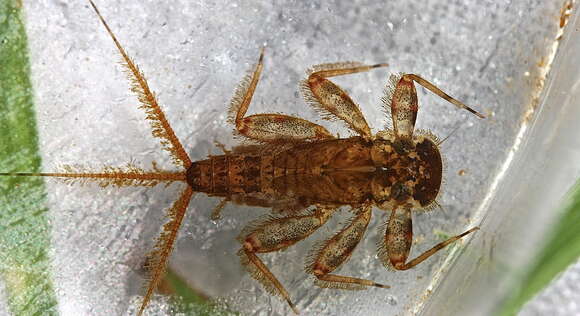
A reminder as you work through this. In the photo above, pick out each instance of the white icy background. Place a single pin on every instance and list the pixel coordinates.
(194, 53)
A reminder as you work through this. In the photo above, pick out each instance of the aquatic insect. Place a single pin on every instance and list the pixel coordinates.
(302, 172)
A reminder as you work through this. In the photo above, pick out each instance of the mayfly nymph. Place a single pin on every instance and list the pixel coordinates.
(300, 171)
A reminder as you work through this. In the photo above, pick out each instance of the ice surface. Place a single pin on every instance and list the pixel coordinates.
(194, 53)
(526, 201)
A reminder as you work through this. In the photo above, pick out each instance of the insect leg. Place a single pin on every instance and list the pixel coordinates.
(244, 93)
(335, 251)
(272, 128)
(331, 100)
(396, 245)
(260, 272)
(273, 234)
(431, 87)
(269, 127)
(401, 101)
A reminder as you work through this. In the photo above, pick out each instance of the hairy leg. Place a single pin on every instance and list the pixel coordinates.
(334, 252)
(395, 247)
(331, 100)
(402, 102)
(273, 234)
(270, 128)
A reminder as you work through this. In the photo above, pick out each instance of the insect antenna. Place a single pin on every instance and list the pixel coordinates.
(436, 204)
(450, 134)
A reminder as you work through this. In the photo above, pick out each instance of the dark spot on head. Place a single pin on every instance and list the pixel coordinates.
(429, 183)
(400, 192)
(402, 146)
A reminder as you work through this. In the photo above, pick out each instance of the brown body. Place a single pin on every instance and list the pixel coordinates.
(328, 172)
(301, 171)
(295, 172)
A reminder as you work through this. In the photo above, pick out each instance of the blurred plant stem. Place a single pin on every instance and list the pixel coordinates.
(561, 250)
(190, 301)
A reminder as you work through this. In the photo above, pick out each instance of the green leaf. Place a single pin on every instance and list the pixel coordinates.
(24, 225)
(189, 301)
(562, 249)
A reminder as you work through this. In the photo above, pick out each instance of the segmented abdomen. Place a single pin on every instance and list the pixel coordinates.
(227, 174)
(303, 171)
